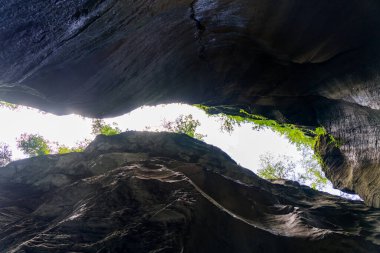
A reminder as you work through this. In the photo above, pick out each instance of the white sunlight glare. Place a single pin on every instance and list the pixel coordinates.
(244, 144)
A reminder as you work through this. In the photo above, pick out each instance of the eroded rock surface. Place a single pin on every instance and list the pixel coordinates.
(310, 63)
(104, 57)
(161, 192)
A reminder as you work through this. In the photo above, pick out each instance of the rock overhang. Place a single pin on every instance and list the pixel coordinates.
(312, 63)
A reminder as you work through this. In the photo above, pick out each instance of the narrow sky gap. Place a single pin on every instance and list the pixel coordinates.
(244, 144)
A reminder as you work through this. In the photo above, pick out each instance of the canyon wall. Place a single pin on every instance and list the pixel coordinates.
(311, 63)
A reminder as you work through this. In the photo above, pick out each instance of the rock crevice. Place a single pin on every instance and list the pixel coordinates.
(200, 30)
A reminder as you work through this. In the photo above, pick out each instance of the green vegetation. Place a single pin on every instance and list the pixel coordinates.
(300, 136)
(8, 105)
(294, 134)
(305, 139)
(283, 168)
(5, 154)
(36, 145)
(100, 127)
(33, 145)
(65, 150)
(184, 124)
(81, 146)
(276, 168)
(271, 167)
(227, 124)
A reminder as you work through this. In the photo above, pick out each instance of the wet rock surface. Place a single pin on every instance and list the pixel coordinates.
(161, 192)
(313, 63)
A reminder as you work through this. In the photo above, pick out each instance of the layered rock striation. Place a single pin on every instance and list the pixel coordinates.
(162, 192)
(313, 63)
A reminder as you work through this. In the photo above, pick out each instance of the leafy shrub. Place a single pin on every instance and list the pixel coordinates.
(33, 145)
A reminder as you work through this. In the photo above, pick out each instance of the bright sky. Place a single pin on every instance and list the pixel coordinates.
(244, 144)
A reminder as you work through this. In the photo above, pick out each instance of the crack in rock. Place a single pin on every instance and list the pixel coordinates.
(199, 32)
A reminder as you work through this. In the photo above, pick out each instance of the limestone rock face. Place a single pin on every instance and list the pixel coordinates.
(160, 192)
(310, 63)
